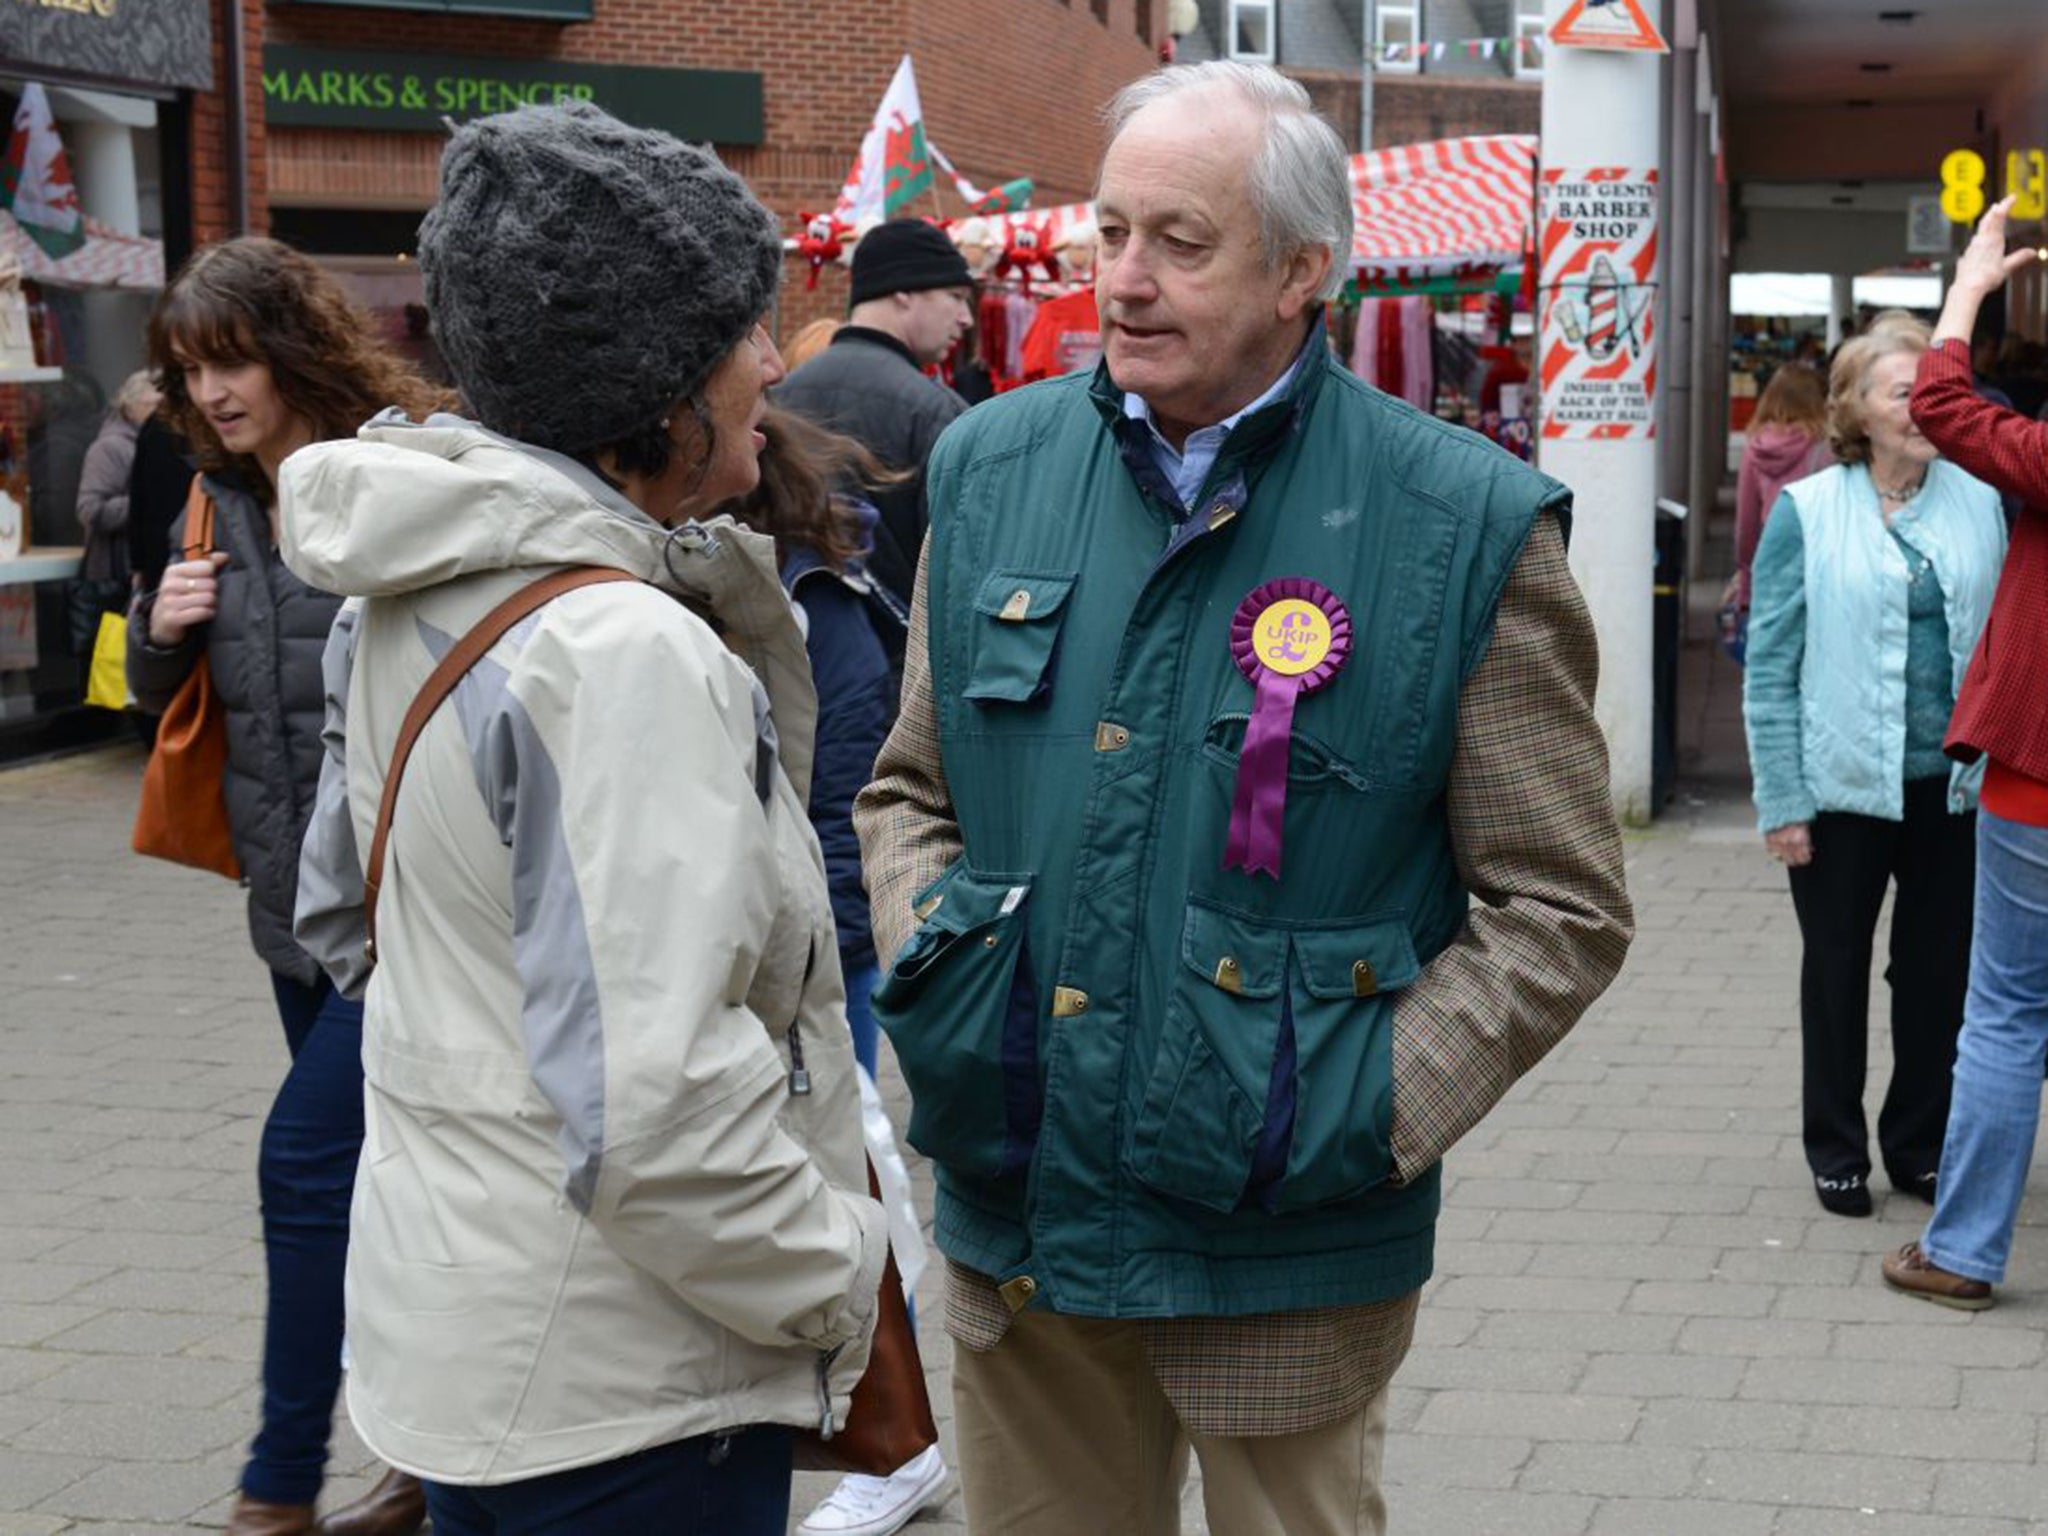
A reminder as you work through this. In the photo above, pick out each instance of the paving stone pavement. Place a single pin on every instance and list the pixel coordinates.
(1641, 1324)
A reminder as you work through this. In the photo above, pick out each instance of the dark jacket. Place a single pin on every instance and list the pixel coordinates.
(867, 385)
(856, 704)
(264, 647)
(157, 487)
(103, 499)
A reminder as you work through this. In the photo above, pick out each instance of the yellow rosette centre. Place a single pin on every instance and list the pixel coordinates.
(1292, 637)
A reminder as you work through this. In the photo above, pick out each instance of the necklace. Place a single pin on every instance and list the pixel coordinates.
(1899, 493)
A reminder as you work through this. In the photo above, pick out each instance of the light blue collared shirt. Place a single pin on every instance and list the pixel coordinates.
(1188, 466)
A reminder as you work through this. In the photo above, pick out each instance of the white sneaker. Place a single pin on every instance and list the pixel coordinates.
(877, 1506)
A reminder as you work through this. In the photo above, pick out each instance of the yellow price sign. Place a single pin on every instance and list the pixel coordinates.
(2026, 181)
(1962, 186)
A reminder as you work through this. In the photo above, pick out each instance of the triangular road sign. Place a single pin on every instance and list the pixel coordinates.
(1608, 24)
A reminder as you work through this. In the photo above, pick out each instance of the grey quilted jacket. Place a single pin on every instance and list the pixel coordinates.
(264, 647)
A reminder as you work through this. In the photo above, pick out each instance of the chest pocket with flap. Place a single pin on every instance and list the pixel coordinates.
(1016, 636)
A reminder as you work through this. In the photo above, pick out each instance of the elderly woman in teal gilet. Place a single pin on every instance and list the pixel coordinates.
(1872, 583)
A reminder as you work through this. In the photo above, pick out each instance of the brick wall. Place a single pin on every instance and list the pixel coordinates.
(213, 213)
(1409, 109)
(1010, 88)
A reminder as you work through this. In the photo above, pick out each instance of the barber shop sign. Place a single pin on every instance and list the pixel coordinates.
(1599, 303)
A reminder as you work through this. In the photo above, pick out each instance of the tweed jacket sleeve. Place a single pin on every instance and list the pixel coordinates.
(908, 835)
(1537, 845)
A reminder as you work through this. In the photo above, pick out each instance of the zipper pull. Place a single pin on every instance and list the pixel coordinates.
(825, 1360)
(799, 1074)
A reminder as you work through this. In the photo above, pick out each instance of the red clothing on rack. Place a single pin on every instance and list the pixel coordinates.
(1065, 337)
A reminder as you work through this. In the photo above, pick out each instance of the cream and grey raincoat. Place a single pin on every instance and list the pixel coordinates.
(611, 1188)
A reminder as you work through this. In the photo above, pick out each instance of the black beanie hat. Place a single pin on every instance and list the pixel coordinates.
(584, 275)
(906, 256)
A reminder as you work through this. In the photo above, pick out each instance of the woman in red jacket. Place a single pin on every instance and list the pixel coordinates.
(2001, 714)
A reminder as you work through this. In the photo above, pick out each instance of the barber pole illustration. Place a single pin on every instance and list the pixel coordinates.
(1599, 303)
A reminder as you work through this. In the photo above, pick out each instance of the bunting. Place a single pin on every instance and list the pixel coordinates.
(1527, 49)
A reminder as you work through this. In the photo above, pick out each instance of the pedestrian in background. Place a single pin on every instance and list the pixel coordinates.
(822, 536)
(613, 1238)
(912, 299)
(1787, 441)
(259, 352)
(1873, 581)
(809, 341)
(103, 585)
(2001, 720)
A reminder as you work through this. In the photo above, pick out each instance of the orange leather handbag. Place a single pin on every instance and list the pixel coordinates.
(183, 814)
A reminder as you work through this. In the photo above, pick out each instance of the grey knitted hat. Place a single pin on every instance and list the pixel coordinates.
(584, 275)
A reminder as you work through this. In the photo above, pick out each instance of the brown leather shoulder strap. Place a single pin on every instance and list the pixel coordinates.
(198, 521)
(468, 651)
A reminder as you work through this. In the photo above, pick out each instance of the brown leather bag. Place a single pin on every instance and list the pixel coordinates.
(183, 812)
(889, 1421)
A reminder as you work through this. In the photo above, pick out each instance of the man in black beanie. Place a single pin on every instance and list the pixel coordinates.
(912, 298)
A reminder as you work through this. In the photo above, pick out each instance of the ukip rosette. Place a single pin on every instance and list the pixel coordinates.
(1289, 637)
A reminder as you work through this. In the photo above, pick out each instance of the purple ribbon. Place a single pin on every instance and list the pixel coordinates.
(1258, 810)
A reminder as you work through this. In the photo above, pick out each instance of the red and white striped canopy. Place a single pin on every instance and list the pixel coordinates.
(106, 260)
(1445, 208)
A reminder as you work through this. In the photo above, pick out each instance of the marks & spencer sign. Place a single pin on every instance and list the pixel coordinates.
(328, 88)
(543, 10)
(162, 43)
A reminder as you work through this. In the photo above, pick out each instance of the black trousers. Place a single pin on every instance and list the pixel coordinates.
(1931, 855)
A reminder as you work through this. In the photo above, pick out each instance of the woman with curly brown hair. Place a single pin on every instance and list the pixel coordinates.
(260, 352)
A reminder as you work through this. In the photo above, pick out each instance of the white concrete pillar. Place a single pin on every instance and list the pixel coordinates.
(1841, 307)
(1681, 335)
(103, 163)
(1602, 109)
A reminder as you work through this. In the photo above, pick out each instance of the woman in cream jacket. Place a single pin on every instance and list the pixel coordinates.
(609, 1241)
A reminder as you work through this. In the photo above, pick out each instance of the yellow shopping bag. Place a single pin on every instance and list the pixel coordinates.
(106, 684)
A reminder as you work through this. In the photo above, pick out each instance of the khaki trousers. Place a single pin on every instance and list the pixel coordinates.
(1063, 1430)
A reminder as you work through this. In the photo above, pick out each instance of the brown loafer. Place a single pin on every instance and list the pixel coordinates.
(397, 1506)
(1911, 1271)
(260, 1517)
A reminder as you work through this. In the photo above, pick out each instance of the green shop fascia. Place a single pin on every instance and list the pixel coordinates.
(414, 93)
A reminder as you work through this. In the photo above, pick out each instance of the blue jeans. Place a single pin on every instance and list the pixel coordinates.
(861, 981)
(733, 1484)
(1997, 1100)
(306, 1171)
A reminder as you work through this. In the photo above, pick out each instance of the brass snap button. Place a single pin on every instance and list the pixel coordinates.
(1229, 974)
(1364, 979)
(1018, 1291)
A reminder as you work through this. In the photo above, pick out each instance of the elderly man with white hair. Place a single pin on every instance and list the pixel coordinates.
(1245, 834)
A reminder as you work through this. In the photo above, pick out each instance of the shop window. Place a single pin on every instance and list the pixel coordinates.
(1397, 38)
(1251, 30)
(1529, 42)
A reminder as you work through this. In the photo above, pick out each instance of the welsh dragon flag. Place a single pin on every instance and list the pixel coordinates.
(36, 184)
(894, 166)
